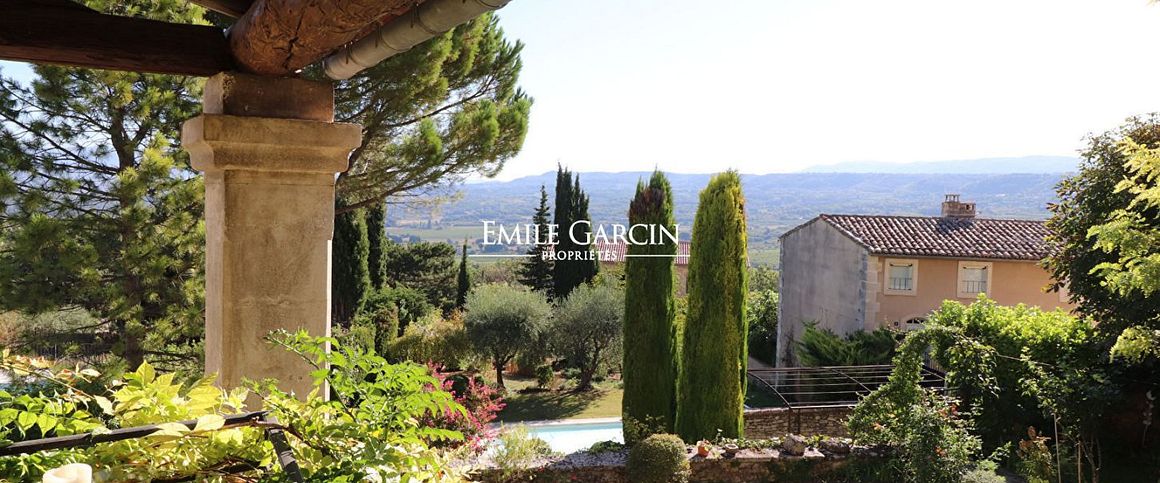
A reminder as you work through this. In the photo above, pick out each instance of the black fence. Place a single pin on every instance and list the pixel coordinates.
(274, 433)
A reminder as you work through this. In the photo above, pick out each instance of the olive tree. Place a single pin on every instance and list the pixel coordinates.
(503, 321)
(587, 329)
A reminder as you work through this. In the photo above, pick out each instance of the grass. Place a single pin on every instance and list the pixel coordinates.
(601, 402)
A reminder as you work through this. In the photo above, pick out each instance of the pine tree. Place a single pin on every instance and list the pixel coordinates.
(711, 388)
(651, 347)
(376, 222)
(463, 280)
(350, 277)
(98, 205)
(571, 206)
(444, 109)
(536, 270)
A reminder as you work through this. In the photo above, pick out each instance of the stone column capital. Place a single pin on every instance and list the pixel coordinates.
(219, 142)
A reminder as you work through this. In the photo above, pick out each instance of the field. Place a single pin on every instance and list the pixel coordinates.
(759, 254)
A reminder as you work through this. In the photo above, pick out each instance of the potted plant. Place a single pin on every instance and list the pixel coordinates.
(704, 448)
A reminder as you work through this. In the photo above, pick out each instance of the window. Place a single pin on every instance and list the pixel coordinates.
(901, 277)
(974, 279)
(914, 323)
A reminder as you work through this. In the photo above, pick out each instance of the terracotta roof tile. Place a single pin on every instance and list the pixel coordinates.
(946, 237)
(613, 252)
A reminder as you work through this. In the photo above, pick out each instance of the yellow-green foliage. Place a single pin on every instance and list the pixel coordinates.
(377, 425)
(141, 398)
(651, 347)
(711, 389)
(434, 338)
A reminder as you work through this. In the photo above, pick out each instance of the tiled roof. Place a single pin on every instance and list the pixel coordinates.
(613, 252)
(946, 237)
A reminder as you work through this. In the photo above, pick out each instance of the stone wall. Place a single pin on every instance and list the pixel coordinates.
(746, 466)
(776, 422)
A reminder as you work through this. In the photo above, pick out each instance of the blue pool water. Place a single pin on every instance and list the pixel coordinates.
(568, 437)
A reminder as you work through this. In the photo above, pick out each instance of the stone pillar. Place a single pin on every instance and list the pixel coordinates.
(270, 151)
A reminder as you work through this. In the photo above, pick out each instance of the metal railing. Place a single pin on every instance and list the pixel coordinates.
(901, 283)
(828, 386)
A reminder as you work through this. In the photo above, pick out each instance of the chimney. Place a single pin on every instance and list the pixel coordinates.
(953, 208)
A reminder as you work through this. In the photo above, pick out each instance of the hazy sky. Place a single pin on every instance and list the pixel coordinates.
(779, 85)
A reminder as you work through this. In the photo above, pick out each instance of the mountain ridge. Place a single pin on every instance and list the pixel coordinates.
(775, 203)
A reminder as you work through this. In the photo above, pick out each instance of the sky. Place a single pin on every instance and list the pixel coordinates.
(768, 86)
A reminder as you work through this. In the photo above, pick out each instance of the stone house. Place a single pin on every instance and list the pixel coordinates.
(612, 255)
(863, 272)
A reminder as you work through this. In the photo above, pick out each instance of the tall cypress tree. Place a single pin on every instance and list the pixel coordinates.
(536, 270)
(571, 206)
(376, 221)
(651, 347)
(711, 389)
(586, 270)
(350, 279)
(463, 280)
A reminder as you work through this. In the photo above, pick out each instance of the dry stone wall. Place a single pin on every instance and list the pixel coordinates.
(747, 466)
(776, 422)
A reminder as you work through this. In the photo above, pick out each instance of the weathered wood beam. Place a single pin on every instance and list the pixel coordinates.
(279, 37)
(56, 32)
(232, 8)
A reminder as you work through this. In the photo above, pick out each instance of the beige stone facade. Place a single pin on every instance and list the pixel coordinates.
(937, 279)
(852, 272)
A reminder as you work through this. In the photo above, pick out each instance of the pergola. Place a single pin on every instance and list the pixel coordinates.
(266, 141)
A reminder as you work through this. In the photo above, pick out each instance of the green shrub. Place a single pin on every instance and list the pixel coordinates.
(544, 375)
(651, 342)
(762, 313)
(822, 347)
(931, 441)
(984, 473)
(605, 447)
(518, 451)
(1034, 459)
(361, 334)
(1036, 363)
(408, 304)
(711, 388)
(660, 458)
(503, 321)
(435, 339)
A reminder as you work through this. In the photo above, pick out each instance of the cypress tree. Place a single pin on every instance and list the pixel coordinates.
(711, 388)
(350, 280)
(651, 350)
(536, 270)
(376, 221)
(571, 206)
(586, 270)
(463, 280)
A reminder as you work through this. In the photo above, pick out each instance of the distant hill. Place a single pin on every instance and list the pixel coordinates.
(1025, 164)
(774, 202)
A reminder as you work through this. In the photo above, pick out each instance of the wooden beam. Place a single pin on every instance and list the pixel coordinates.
(279, 37)
(231, 8)
(56, 32)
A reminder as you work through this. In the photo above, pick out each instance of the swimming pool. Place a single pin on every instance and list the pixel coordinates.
(571, 435)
